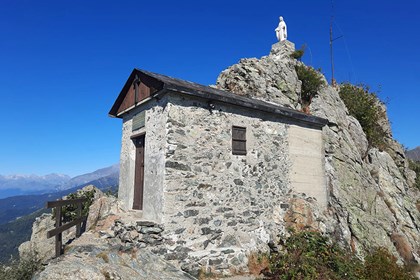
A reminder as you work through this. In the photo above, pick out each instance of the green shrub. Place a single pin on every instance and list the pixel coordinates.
(297, 54)
(381, 265)
(415, 166)
(22, 269)
(309, 255)
(69, 212)
(312, 82)
(364, 106)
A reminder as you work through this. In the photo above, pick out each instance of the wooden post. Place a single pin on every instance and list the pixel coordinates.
(79, 214)
(59, 227)
(58, 237)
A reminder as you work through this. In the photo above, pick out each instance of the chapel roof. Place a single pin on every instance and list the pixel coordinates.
(158, 84)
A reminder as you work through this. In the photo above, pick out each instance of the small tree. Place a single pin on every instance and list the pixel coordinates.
(297, 54)
(311, 83)
(364, 106)
(69, 212)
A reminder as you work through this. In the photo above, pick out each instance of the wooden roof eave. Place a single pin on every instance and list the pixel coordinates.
(114, 109)
(156, 95)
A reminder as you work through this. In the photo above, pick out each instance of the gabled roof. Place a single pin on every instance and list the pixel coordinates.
(163, 84)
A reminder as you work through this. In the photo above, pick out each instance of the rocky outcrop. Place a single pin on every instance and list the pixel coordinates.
(272, 78)
(371, 201)
(92, 257)
(118, 245)
(43, 248)
(39, 246)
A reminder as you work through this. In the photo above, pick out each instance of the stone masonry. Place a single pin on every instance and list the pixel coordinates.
(215, 207)
(218, 208)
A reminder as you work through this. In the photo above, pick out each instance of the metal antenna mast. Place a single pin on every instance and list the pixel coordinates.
(333, 82)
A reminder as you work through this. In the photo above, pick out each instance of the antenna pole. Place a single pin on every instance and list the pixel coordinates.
(333, 82)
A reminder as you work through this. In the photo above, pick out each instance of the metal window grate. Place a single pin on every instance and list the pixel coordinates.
(238, 140)
(139, 121)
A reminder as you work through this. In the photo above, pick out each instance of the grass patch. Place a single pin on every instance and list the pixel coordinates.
(258, 263)
(104, 256)
(297, 54)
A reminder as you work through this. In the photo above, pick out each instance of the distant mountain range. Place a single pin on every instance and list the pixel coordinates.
(13, 185)
(414, 154)
(17, 206)
(17, 213)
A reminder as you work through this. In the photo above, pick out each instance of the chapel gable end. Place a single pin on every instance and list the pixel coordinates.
(137, 88)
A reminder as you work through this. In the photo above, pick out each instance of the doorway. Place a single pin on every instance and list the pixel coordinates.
(139, 173)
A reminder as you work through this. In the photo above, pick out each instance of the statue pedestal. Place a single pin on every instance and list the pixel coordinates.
(282, 49)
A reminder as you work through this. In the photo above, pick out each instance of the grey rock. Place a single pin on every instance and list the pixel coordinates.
(180, 230)
(190, 213)
(143, 265)
(217, 223)
(177, 165)
(229, 241)
(146, 224)
(148, 230)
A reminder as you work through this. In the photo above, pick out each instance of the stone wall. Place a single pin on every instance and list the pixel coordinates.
(217, 202)
(155, 122)
(216, 207)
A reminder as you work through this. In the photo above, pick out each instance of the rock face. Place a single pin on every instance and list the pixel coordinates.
(91, 257)
(370, 199)
(39, 245)
(272, 78)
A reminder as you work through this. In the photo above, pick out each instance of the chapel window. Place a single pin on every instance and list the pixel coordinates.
(238, 140)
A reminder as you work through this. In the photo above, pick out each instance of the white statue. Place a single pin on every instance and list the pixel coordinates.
(281, 30)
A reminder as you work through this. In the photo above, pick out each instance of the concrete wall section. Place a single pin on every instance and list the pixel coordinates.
(154, 158)
(307, 174)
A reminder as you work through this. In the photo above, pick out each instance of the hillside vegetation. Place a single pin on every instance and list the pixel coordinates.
(363, 105)
(415, 166)
(310, 255)
(14, 233)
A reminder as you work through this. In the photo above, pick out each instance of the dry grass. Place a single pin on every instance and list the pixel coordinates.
(257, 263)
(403, 247)
(104, 256)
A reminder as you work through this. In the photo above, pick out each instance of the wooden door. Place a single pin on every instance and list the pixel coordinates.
(139, 173)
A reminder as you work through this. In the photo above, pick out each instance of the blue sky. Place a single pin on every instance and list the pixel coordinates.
(63, 63)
